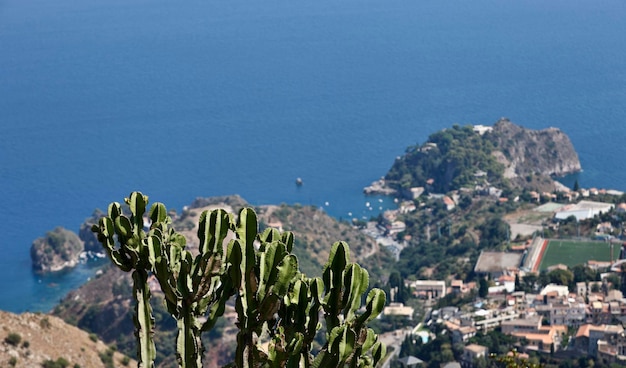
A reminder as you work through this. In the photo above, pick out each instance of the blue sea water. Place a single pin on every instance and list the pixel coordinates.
(203, 98)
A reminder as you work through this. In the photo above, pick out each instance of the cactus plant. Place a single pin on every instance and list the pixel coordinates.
(273, 300)
(122, 239)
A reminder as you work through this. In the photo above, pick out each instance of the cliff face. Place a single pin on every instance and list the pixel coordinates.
(527, 152)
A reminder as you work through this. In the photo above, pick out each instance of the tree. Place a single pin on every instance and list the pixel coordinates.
(273, 300)
(561, 277)
(483, 288)
(396, 282)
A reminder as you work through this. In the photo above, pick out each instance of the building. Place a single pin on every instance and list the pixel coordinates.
(459, 332)
(566, 312)
(416, 192)
(398, 309)
(521, 325)
(482, 129)
(497, 264)
(485, 320)
(429, 288)
(612, 349)
(587, 337)
(583, 210)
(560, 290)
(471, 353)
(546, 339)
(410, 361)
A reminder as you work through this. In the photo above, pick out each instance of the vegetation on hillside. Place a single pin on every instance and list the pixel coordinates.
(451, 157)
(314, 230)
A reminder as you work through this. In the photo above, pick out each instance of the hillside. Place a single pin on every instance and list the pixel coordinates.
(29, 340)
(505, 155)
(315, 231)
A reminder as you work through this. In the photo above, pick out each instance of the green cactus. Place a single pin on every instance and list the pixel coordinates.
(273, 300)
(122, 239)
(349, 341)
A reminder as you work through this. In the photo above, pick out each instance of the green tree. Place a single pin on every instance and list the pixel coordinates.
(561, 277)
(273, 300)
(483, 288)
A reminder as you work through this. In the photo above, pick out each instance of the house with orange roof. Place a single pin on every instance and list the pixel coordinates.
(588, 335)
(544, 339)
(449, 203)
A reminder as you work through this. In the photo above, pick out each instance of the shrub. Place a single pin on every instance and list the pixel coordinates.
(12, 361)
(44, 323)
(13, 339)
(107, 358)
(26, 344)
(93, 337)
(59, 363)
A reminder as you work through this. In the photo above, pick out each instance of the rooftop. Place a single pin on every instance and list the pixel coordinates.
(497, 261)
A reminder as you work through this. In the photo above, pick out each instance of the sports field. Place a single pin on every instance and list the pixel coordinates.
(571, 252)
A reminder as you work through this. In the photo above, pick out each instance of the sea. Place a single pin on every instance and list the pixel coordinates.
(201, 98)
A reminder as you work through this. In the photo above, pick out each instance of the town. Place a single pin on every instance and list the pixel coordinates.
(551, 292)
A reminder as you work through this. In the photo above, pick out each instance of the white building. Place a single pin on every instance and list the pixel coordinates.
(583, 210)
(429, 288)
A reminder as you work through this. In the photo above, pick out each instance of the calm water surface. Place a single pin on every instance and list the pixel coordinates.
(99, 98)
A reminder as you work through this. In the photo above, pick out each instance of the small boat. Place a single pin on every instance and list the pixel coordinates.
(299, 181)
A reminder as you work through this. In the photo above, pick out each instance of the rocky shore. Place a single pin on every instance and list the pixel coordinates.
(379, 187)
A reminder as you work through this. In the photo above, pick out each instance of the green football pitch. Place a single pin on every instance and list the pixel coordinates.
(571, 253)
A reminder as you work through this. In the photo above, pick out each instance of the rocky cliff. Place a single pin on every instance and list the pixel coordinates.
(526, 152)
(60, 248)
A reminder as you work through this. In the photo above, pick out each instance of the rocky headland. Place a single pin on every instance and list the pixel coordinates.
(504, 155)
(61, 248)
(58, 249)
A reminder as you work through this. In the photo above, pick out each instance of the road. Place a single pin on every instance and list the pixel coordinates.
(393, 340)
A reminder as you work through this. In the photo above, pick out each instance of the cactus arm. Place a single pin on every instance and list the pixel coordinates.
(137, 203)
(188, 344)
(379, 350)
(158, 214)
(356, 281)
(375, 302)
(247, 226)
(144, 321)
(287, 270)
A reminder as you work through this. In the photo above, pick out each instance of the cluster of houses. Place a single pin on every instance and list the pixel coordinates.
(587, 322)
